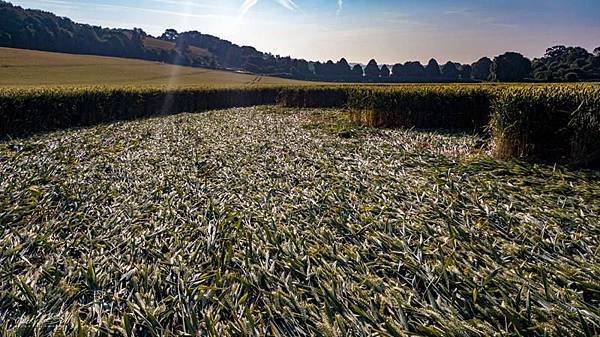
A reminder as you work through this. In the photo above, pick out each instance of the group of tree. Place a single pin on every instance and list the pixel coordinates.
(44, 31)
(508, 67)
(39, 30)
(567, 64)
(34, 29)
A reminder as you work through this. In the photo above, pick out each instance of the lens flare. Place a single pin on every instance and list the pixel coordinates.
(176, 69)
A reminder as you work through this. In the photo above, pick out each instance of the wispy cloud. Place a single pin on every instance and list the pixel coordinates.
(57, 2)
(245, 7)
(289, 4)
(165, 12)
(460, 11)
(248, 4)
(480, 18)
(340, 6)
(180, 4)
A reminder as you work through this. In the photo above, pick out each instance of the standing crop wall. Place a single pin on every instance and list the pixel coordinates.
(559, 123)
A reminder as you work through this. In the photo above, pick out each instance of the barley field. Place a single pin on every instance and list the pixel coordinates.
(29, 68)
(271, 221)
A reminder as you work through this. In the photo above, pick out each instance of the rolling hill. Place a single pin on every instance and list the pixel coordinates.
(20, 67)
(159, 45)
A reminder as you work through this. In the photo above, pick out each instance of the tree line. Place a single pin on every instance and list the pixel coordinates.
(39, 30)
(34, 29)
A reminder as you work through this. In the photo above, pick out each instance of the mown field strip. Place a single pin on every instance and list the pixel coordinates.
(270, 221)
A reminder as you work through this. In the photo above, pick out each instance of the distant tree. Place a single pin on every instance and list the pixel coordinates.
(596, 60)
(343, 70)
(255, 64)
(372, 70)
(398, 70)
(330, 70)
(482, 69)
(182, 45)
(511, 67)
(357, 72)
(170, 35)
(466, 71)
(140, 32)
(450, 71)
(414, 69)
(572, 77)
(317, 68)
(326, 71)
(39, 30)
(301, 70)
(540, 71)
(432, 70)
(384, 73)
(562, 63)
(137, 35)
(5, 39)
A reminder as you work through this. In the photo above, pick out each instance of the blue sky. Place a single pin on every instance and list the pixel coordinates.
(389, 30)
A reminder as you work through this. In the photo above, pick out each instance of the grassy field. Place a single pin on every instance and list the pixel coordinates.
(271, 221)
(23, 68)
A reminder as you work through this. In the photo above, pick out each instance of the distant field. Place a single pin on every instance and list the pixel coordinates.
(20, 67)
(158, 44)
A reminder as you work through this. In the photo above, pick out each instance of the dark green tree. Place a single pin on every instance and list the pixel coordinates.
(5, 39)
(466, 71)
(384, 73)
(320, 71)
(596, 61)
(561, 63)
(482, 69)
(170, 35)
(414, 70)
(450, 71)
(357, 72)
(540, 71)
(372, 70)
(330, 70)
(343, 70)
(432, 70)
(571, 77)
(301, 70)
(511, 67)
(398, 71)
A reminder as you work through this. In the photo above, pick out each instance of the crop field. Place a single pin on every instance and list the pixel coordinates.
(23, 68)
(290, 222)
(544, 123)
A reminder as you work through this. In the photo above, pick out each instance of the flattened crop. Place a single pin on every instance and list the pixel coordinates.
(264, 221)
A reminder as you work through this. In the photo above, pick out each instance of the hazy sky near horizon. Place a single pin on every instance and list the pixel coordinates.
(388, 30)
